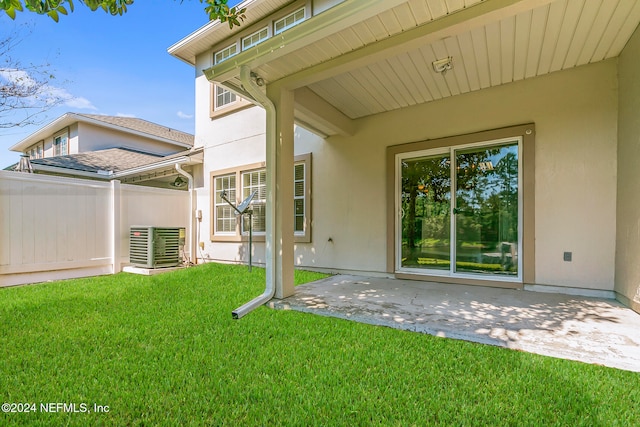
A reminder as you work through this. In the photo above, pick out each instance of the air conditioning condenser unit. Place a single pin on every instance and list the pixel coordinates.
(156, 247)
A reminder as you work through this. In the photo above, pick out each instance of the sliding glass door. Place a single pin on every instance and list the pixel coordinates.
(459, 211)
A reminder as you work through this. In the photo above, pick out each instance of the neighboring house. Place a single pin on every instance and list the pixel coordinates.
(107, 147)
(467, 142)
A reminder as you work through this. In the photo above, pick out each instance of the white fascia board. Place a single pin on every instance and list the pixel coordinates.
(331, 21)
(204, 31)
(45, 131)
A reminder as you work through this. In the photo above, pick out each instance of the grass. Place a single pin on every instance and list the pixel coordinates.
(164, 350)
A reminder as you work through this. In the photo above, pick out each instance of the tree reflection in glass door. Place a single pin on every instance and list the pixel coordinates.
(426, 212)
(486, 210)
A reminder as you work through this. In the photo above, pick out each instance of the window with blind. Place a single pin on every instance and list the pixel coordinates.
(240, 182)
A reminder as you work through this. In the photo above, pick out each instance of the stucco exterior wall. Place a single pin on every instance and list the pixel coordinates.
(628, 213)
(575, 113)
(93, 138)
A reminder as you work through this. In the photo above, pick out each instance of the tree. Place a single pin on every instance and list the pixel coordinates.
(216, 9)
(25, 91)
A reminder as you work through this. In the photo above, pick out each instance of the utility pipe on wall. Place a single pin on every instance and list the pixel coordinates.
(254, 90)
(192, 240)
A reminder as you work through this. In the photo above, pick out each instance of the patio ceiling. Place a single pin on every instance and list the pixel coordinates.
(383, 62)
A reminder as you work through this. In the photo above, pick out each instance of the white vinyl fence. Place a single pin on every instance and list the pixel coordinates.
(55, 228)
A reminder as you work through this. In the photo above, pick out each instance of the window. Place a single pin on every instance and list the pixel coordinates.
(299, 192)
(242, 182)
(35, 151)
(225, 216)
(225, 54)
(61, 145)
(224, 97)
(255, 38)
(288, 21)
(221, 96)
(255, 181)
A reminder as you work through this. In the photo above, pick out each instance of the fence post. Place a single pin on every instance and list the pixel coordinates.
(115, 226)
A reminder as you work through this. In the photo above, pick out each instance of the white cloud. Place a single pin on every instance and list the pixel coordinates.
(184, 115)
(131, 116)
(45, 93)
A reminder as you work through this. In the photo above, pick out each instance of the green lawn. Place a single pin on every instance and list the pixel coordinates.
(164, 350)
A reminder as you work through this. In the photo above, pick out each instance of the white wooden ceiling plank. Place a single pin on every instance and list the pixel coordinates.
(492, 33)
(454, 5)
(340, 43)
(507, 43)
(627, 29)
(364, 33)
(404, 16)
(539, 18)
(554, 26)
(603, 17)
(333, 93)
(352, 38)
(569, 24)
(468, 3)
(468, 57)
(438, 8)
(420, 11)
(377, 88)
(416, 79)
(430, 56)
(426, 73)
(377, 28)
(341, 87)
(617, 21)
(481, 52)
(459, 66)
(398, 92)
(406, 72)
(390, 22)
(356, 91)
(584, 27)
(522, 44)
(328, 49)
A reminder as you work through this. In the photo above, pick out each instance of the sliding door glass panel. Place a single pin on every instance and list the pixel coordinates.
(486, 210)
(426, 212)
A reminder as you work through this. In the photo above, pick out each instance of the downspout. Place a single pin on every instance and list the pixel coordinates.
(192, 241)
(254, 90)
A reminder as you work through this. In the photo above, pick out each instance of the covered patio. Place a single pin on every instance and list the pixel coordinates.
(587, 329)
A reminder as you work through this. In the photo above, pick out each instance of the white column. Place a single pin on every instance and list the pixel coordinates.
(281, 179)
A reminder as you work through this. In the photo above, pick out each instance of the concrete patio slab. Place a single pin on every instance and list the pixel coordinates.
(586, 329)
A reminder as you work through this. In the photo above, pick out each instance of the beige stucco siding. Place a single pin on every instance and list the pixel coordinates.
(575, 116)
(628, 219)
(575, 113)
(93, 138)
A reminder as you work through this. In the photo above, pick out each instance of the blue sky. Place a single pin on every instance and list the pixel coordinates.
(113, 65)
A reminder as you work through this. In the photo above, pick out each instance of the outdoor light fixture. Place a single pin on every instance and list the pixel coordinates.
(443, 65)
(178, 183)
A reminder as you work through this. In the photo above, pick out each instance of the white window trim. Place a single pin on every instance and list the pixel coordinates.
(56, 147)
(215, 205)
(286, 27)
(249, 46)
(300, 237)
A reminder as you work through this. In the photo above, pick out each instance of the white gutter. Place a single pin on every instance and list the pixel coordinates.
(150, 167)
(270, 290)
(192, 240)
